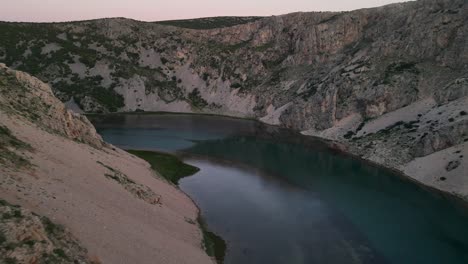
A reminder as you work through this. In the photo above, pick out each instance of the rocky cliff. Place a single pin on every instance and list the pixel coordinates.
(78, 199)
(389, 83)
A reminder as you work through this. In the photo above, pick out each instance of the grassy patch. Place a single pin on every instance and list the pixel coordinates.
(169, 166)
(7, 138)
(2, 237)
(8, 142)
(213, 244)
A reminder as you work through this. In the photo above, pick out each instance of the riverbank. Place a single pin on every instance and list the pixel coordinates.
(253, 172)
(351, 149)
(168, 166)
(173, 169)
(171, 113)
(53, 163)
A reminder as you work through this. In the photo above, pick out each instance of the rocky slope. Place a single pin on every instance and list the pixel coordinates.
(374, 80)
(113, 208)
(28, 238)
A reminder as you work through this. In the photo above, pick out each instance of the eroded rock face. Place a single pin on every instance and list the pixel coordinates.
(330, 65)
(27, 96)
(53, 162)
(333, 75)
(26, 237)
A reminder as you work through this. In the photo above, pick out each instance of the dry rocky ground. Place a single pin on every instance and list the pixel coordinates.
(58, 172)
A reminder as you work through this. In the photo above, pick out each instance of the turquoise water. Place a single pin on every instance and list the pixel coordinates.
(278, 197)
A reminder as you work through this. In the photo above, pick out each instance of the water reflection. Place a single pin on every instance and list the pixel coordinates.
(278, 197)
(402, 221)
(267, 220)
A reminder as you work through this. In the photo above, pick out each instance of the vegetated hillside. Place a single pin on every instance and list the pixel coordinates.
(92, 202)
(209, 22)
(374, 79)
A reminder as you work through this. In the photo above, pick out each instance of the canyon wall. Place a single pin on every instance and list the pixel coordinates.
(68, 197)
(389, 84)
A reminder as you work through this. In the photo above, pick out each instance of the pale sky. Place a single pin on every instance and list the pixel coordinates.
(156, 10)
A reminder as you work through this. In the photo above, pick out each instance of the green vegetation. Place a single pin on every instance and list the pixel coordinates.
(264, 47)
(311, 90)
(60, 253)
(399, 68)
(168, 91)
(138, 190)
(64, 247)
(276, 75)
(7, 138)
(109, 98)
(117, 175)
(2, 237)
(221, 49)
(406, 127)
(170, 167)
(196, 100)
(209, 22)
(8, 141)
(106, 166)
(91, 86)
(50, 227)
(271, 64)
(213, 244)
(23, 43)
(349, 134)
(20, 99)
(236, 85)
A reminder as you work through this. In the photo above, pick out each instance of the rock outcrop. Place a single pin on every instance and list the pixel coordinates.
(27, 96)
(373, 80)
(28, 238)
(92, 202)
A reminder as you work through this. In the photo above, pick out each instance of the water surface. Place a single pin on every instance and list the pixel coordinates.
(278, 197)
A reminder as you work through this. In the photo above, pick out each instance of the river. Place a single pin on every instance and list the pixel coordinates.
(278, 197)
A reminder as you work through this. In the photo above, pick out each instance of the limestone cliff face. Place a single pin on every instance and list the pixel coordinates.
(26, 96)
(92, 202)
(328, 74)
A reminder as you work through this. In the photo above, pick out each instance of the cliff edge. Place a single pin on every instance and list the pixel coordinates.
(92, 202)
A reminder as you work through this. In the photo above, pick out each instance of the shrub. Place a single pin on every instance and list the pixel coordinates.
(196, 100)
(349, 134)
(236, 85)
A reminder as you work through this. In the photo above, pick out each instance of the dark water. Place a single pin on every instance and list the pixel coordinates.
(278, 197)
